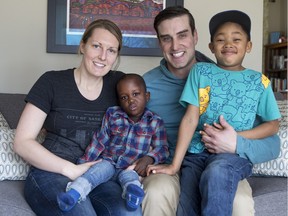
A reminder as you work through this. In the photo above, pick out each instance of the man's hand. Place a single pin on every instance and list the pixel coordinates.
(141, 165)
(219, 138)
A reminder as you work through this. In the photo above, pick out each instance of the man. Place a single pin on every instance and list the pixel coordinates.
(178, 37)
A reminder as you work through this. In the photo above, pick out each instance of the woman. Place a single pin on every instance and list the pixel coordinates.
(69, 105)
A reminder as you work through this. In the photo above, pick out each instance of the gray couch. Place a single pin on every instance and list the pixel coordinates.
(270, 193)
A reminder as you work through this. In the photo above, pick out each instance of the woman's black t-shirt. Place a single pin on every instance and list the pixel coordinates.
(71, 118)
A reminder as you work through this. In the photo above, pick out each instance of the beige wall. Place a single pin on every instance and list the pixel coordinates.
(23, 56)
(278, 16)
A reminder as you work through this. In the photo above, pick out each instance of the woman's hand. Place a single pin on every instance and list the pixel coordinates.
(162, 168)
(77, 170)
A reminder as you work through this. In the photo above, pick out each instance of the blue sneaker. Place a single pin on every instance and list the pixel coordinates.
(68, 200)
(134, 197)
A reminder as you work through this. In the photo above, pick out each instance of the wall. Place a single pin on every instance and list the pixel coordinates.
(278, 16)
(23, 56)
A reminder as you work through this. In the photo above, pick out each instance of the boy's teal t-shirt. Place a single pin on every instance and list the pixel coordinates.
(237, 95)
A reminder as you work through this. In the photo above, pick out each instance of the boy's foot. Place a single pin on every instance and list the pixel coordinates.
(134, 197)
(68, 200)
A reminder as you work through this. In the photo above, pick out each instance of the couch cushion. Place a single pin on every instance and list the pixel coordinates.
(271, 204)
(12, 200)
(270, 195)
(11, 106)
(263, 185)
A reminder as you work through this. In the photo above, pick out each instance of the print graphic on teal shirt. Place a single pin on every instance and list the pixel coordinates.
(203, 99)
(233, 94)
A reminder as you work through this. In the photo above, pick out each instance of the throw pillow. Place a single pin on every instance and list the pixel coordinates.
(3, 122)
(12, 166)
(279, 166)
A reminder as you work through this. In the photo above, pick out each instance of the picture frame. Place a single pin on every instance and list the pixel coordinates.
(63, 37)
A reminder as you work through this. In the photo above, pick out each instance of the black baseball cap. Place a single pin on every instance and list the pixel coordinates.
(234, 16)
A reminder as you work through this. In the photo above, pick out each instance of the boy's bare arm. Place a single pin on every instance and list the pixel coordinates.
(261, 131)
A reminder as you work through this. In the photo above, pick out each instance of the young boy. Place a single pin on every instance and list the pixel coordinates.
(128, 133)
(226, 90)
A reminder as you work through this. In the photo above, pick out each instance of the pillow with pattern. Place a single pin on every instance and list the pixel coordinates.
(3, 122)
(279, 166)
(12, 166)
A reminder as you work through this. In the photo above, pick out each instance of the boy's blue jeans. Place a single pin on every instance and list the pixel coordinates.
(102, 172)
(42, 188)
(209, 183)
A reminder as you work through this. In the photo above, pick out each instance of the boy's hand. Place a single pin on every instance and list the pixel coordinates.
(141, 165)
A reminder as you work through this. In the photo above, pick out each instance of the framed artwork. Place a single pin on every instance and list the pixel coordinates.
(67, 20)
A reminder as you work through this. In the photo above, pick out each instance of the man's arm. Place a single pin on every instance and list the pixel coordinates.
(227, 141)
(259, 150)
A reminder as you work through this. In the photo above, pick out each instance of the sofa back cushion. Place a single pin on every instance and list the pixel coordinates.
(11, 106)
